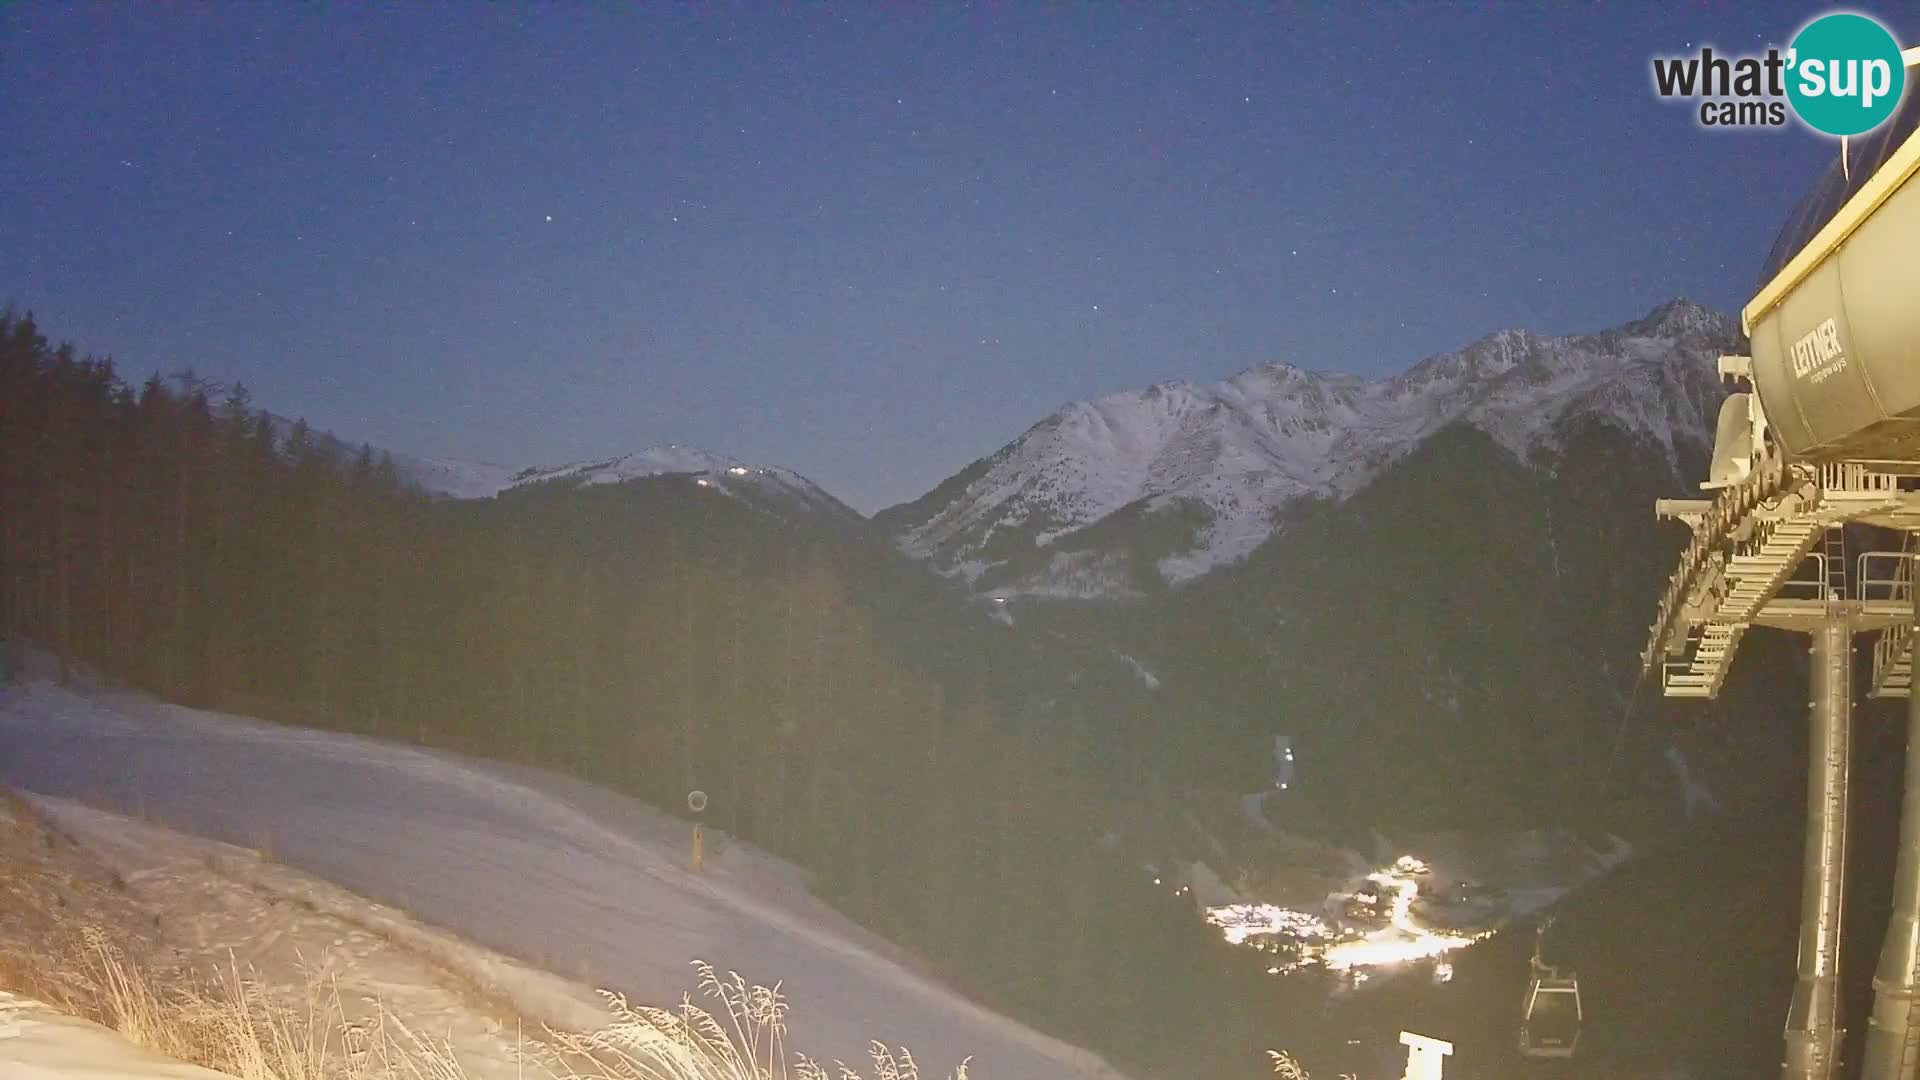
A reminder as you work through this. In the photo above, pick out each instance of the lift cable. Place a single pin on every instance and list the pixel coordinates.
(1620, 736)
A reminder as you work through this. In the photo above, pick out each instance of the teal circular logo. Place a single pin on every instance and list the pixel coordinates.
(1845, 74)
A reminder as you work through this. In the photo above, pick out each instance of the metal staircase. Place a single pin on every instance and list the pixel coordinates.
(1749, 579)
(1893, 663)
(1893, 650)
(1771, 550)
(1709, 654)
(1758, 574)
(1730, 510)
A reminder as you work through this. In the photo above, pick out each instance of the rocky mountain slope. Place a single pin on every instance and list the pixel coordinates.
(1133, 491)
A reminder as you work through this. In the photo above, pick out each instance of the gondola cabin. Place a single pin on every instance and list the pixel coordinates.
(1550, 1025)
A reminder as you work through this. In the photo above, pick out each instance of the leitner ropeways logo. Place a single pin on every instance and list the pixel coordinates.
(1841, 75)
(1819, 353)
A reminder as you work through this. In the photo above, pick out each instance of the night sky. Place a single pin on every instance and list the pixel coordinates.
(868, 245)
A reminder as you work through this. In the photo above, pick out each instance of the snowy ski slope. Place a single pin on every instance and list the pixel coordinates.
(583, 882)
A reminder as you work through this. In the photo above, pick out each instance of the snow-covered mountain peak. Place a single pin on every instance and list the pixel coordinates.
(720, 473)
(1677, 318)
(1282, 372)
(671, 459)
(1221, 460)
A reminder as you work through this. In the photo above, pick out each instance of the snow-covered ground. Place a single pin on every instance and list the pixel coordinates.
(227, 908)
(580, 881)
(38, 1042)
(455, 479)
(1458, 889)
(187, 913)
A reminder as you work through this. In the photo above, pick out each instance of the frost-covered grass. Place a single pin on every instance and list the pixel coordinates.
(1288, 1067)
(228, 1022)
(231, 1024)
(746, 1041)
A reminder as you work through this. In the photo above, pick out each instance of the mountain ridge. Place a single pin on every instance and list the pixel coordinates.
(1209, 467)
(463, 480)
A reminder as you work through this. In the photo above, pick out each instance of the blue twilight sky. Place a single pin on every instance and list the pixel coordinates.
(870, 243)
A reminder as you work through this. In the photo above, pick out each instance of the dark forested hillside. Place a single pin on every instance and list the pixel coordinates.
(1455, 645)
(840, 704)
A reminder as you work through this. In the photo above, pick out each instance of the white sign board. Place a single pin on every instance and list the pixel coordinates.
(1425, 1057)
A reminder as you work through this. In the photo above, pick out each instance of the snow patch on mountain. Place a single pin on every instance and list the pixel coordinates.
(1237, 452)
(718, 471)
(455, 479)
(1081, 575)
(721, 474)
(1147, 678)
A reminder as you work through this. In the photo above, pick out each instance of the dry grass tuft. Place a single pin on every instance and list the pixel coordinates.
(228, 1024)
(691, 1043)
(1287, 1067)
(72, 936)
(231, 1024)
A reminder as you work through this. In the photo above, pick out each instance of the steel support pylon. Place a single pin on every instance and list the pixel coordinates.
(1893, 1031)
(1813, 1029)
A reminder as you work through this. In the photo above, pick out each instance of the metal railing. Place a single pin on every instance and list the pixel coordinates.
(1894, 583)
(1849, 476)
(1817, 587)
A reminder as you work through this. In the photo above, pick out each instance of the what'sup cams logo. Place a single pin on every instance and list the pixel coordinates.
(1842, 75)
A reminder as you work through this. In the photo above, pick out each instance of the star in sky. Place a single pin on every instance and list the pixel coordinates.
(802, 301)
